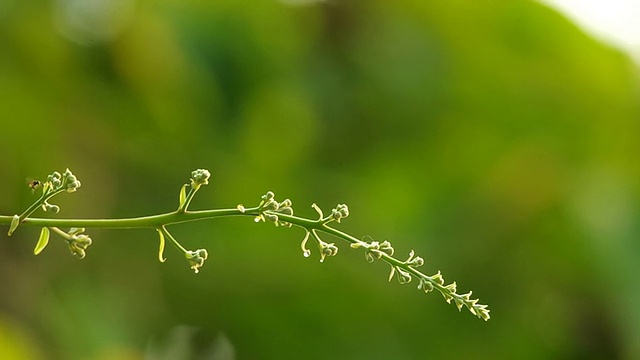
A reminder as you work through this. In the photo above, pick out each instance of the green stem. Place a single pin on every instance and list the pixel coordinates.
(33, 207)
(152, 221)
(60, 232)
(175, 242)
(192, 192)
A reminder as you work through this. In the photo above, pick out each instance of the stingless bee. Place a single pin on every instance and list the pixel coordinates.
(34, 185)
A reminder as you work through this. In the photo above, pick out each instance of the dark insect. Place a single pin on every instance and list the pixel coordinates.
(34, 185)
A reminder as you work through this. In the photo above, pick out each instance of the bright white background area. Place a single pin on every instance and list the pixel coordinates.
(614, 21)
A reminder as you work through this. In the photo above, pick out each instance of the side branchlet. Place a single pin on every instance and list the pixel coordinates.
(198, 178)
(406, 270)
(269, 209)
(374, 250)
(194, 258)
(76, 240)
(55, 184)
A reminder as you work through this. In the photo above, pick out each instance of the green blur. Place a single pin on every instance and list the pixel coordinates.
(494, 138)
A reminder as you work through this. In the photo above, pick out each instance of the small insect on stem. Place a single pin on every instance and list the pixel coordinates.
(34, 185)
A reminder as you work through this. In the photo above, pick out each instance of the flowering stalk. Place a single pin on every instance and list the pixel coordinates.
(268, 210)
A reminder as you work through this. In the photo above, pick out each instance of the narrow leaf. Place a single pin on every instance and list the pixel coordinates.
(43, 241)
(183, 196)
(393, 272)
(161, 250)
(14, 224)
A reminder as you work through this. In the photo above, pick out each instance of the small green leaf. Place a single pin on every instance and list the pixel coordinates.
(43, 241)
(161, 250)
(183, 195)
(14, 224)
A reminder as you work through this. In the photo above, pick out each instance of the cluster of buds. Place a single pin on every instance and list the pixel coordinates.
(338, 213)
(66, 181)
(78, 242)
(55, 184)
(199, 177)
(427, 284)
(374, 249)
(270, 208)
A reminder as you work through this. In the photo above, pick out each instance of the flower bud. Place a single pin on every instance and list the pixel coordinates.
(78, 244)
(403, 276)
(50, 207)
(69, 181)
(199, 177)
(341, 211)
(327, 250)
(417, 261)
(196, 258)
(268, 196)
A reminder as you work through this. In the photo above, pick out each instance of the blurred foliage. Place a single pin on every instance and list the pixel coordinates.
(494, 138)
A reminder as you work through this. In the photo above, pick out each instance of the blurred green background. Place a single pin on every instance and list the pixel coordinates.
(493, 137)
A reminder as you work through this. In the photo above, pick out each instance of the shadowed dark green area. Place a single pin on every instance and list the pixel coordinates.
(494, 138)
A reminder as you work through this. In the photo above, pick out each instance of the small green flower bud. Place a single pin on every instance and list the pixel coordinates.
(403, 276)
(268, 196)
(453, 287)
(78, 244)
(270, 204)
(425, 286)
(83, 240)
(341, 211)
(50, 207)
(417, 261)
(447, 297)
(386, 248)
(77, 251)
(372, 254)
(327, 250)
(69, 181)
(438, 279)
(55, 180)
(369, 256)
(196, 259)
(199, 177)
(482, 312)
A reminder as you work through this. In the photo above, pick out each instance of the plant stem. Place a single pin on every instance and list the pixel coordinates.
(152, 221)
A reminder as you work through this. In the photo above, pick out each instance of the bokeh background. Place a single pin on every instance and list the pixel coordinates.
(494, 138)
